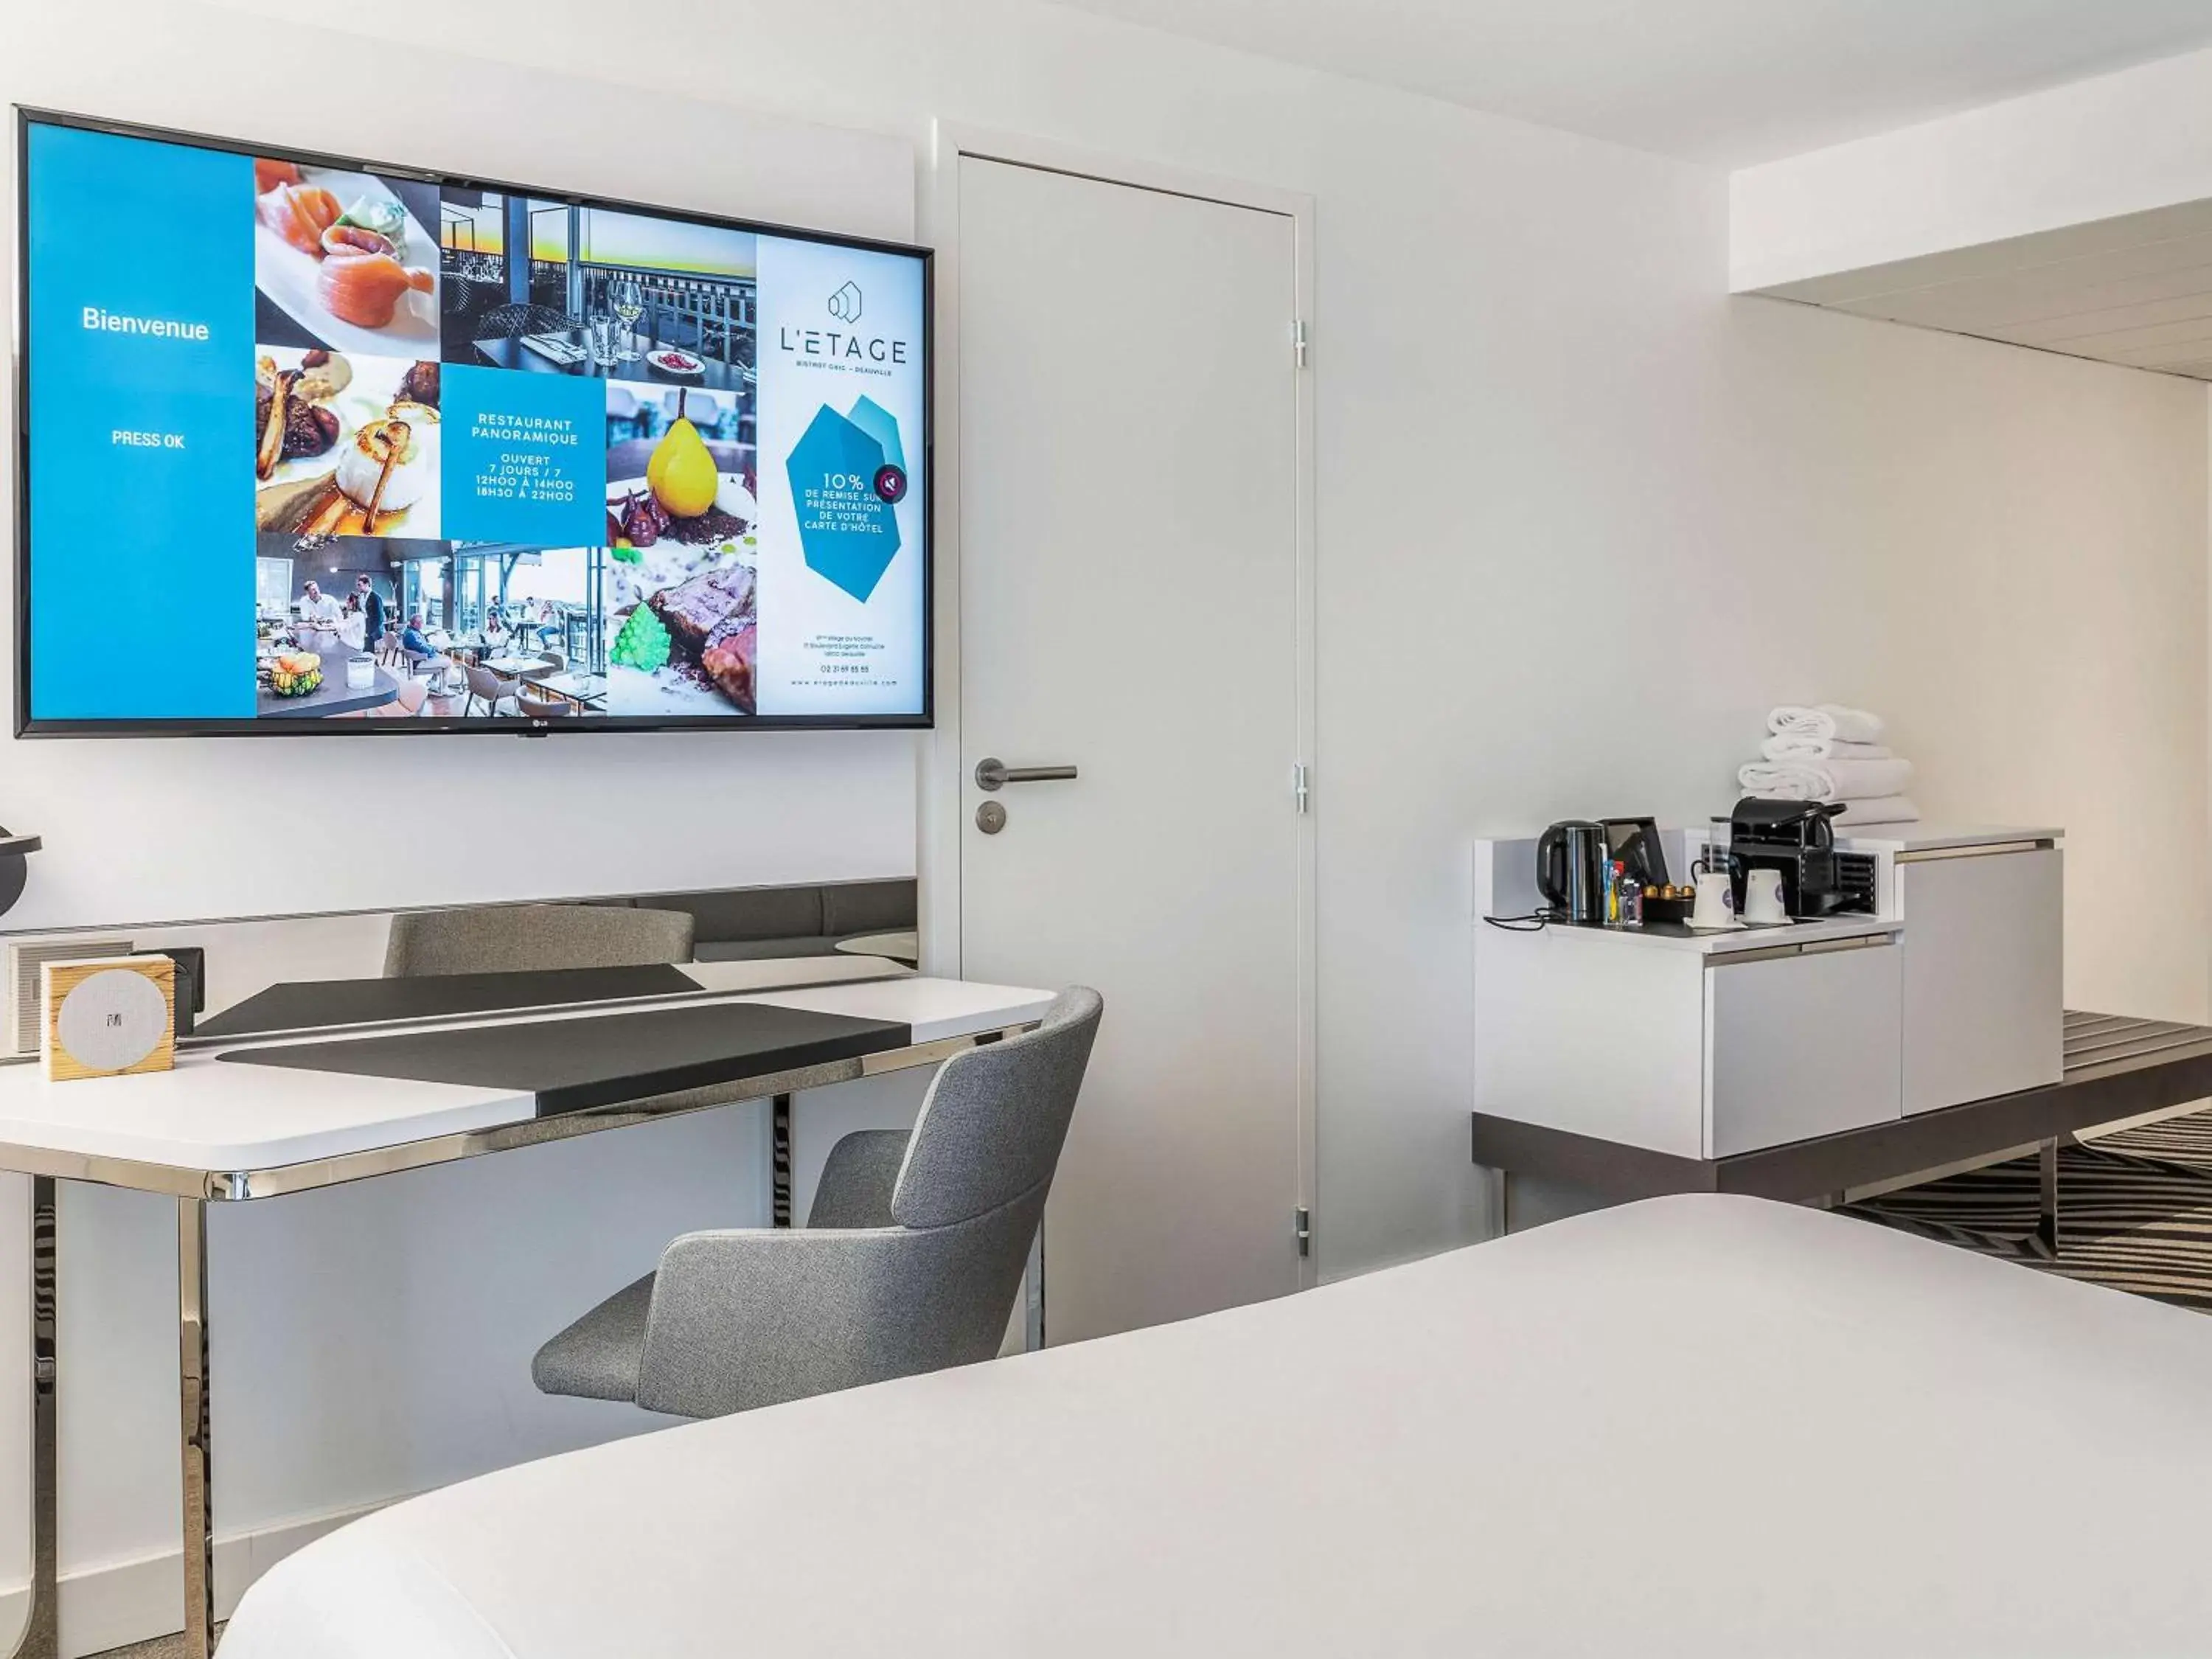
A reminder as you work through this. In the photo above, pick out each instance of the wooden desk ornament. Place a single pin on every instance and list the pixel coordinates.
(108, 1017)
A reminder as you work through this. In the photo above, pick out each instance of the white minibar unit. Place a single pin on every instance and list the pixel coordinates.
(1701, 1045)
(1985, 949)
(1984, 945)
(1708, 1045)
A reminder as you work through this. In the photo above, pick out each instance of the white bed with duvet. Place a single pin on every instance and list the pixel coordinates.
(1690, 1426)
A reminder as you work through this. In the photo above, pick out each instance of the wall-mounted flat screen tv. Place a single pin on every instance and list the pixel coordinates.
(307, 443)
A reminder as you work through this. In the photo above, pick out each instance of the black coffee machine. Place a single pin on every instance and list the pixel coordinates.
(1798, 838)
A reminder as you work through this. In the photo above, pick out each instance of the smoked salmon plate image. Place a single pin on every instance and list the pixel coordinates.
(341, 255)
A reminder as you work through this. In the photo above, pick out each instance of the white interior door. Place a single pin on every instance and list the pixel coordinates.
(1129, 479)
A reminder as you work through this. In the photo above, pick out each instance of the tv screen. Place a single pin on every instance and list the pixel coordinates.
(516, 460)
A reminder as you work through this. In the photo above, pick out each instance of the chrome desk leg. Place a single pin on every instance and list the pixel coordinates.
(192, 1375)
(1033, 1288)
(41, 1637)
(2046, 1222)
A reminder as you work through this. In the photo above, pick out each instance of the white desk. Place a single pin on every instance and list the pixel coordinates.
(212, 1131)
(901, 946)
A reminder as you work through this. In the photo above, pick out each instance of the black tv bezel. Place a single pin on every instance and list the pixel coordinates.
(27, 727)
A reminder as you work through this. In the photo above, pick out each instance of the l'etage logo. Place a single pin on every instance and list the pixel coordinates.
(844, 345)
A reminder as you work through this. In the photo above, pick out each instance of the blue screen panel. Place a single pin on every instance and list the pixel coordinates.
(141, 308)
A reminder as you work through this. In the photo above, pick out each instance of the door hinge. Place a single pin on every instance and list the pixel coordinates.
(1304, 1223)
(1298, 341)
(1301, 785)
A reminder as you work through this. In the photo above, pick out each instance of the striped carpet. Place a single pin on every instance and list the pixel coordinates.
(2134, 1210)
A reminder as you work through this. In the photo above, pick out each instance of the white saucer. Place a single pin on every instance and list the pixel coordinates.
(1729, 927)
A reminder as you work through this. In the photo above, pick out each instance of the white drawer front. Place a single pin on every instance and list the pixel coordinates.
(1983, 964)
(1598, 1036)
(1801, 1046)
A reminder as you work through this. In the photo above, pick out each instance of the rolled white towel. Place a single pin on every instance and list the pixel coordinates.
(1797, 746)
(1882, 809)
(1827, 720)
(1824, 780)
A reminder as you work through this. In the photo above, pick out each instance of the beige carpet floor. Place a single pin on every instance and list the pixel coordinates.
(161, 1647)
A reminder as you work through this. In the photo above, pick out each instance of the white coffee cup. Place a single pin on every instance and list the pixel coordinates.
(1714, 901)
(1762, 898)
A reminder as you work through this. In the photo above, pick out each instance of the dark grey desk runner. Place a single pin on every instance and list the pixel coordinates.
(310, 1005)
(579, 1061)
(2116, 1066)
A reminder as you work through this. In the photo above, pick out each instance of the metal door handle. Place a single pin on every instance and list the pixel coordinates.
(992, 773)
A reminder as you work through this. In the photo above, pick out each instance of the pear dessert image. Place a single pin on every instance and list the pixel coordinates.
(695, 490)
(682, 601)
(682, 474)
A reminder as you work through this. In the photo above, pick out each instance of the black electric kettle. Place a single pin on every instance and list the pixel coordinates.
(1570, 860)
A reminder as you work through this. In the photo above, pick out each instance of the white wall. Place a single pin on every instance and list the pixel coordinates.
(1581, 517)
(661, 810)
(1531, 387)
(1532, 395)
(2121, 143)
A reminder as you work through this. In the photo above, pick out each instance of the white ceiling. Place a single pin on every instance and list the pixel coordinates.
(2136, 290)
(1729, 81)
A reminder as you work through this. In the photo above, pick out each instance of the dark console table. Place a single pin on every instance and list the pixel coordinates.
(2116, 1067)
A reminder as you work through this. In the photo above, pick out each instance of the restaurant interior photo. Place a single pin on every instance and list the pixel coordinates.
(521, 283)
(421, 625)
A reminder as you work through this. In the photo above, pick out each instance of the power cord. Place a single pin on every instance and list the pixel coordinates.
(1535, 922)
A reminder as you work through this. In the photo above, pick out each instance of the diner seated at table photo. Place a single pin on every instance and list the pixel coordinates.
(416, 643)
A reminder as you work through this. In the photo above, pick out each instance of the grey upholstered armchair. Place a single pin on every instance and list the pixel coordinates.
(910, 1261)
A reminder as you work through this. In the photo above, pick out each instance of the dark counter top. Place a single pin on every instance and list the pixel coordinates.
(310, 1004)
(575, 1063)
(330, 697)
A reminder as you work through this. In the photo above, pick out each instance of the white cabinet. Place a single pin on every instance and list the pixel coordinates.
(1697, 1046)
(1800, 1046)
(1709, 1045)
(1983, 1008)
(1585, 1032)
